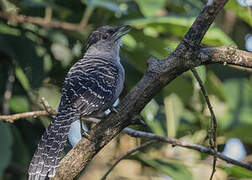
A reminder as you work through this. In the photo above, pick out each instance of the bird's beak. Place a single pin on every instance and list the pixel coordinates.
(120, 31)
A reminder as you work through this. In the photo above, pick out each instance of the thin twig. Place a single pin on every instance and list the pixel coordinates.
(126, 155)
(213, 123)
(13, 117)
(176, 142)
(86, 16)
(48, 111)
(8, 91)
(47, 107)
(48, 14)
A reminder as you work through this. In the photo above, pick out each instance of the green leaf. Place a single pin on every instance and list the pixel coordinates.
(112, 6)
(202, 74)
(238, 172)
(183, 21)
(151, 7)
(216, 37)
(243, 132)
(6, 143)
(62, 53)
(175, 170)
(5, 29)
(21, 76)
(39, 3)
(51, 94)
(19, 104)
(173, 111)
(239, 98)
(8, 6)
(243, 12)
(215, 86)
(182, 86)
(149, 113)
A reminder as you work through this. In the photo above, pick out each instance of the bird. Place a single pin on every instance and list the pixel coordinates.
(91, 86)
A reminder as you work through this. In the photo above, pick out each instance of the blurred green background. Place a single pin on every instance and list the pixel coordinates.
(34, 60)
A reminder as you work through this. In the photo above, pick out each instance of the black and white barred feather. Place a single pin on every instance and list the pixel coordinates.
(91, 86)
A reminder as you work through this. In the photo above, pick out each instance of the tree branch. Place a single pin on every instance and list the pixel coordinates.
(126, 155)
(176, 142)
(150, 136)
(158, 74)
(13, 117)
(226, 55)
(8, 91)
(44, 22)
(213, 123)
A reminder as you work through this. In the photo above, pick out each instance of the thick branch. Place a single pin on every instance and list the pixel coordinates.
(159, 73)
(193, 37)
(226, 55)
(43, 22)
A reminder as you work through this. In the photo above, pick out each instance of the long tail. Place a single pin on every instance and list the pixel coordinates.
(46, 158)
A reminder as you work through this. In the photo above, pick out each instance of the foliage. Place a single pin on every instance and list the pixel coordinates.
(41, 57)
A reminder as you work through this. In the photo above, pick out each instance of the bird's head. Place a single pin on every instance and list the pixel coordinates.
(107, 37)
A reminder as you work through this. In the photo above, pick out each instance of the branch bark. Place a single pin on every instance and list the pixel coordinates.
(176, 142)
(226, 55)
(44, 22)
(158, 74)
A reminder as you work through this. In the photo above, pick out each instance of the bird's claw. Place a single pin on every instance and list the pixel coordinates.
(113, 109)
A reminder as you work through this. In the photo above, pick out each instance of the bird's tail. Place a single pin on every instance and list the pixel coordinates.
(46, 158)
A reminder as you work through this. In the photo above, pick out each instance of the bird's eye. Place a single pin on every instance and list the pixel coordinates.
(105, 36)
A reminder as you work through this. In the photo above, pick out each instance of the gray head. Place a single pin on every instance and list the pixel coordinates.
(106, 38)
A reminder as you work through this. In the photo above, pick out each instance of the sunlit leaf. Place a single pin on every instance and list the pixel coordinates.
(243, 12)
(5, 29)
(149, 113)
(51, 94)
(182, 86)
(173, 111)
(19, 104)
(238, 172)
(202, 74)
(110, 5)
(151, 7)
(216, 37)
(184, 21)
(240, 131)
(8, 6)
(22, 78)
(215, 86)
(174, 170)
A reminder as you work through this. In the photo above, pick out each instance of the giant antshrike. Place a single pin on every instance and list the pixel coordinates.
(91, 86)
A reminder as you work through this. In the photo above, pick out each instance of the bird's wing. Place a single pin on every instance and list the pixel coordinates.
(91, 90)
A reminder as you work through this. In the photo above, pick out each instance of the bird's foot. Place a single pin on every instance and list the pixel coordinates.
(86, 135)
(113, 109)
(83, 132)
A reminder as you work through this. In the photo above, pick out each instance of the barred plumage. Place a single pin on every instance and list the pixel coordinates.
(91, 86)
